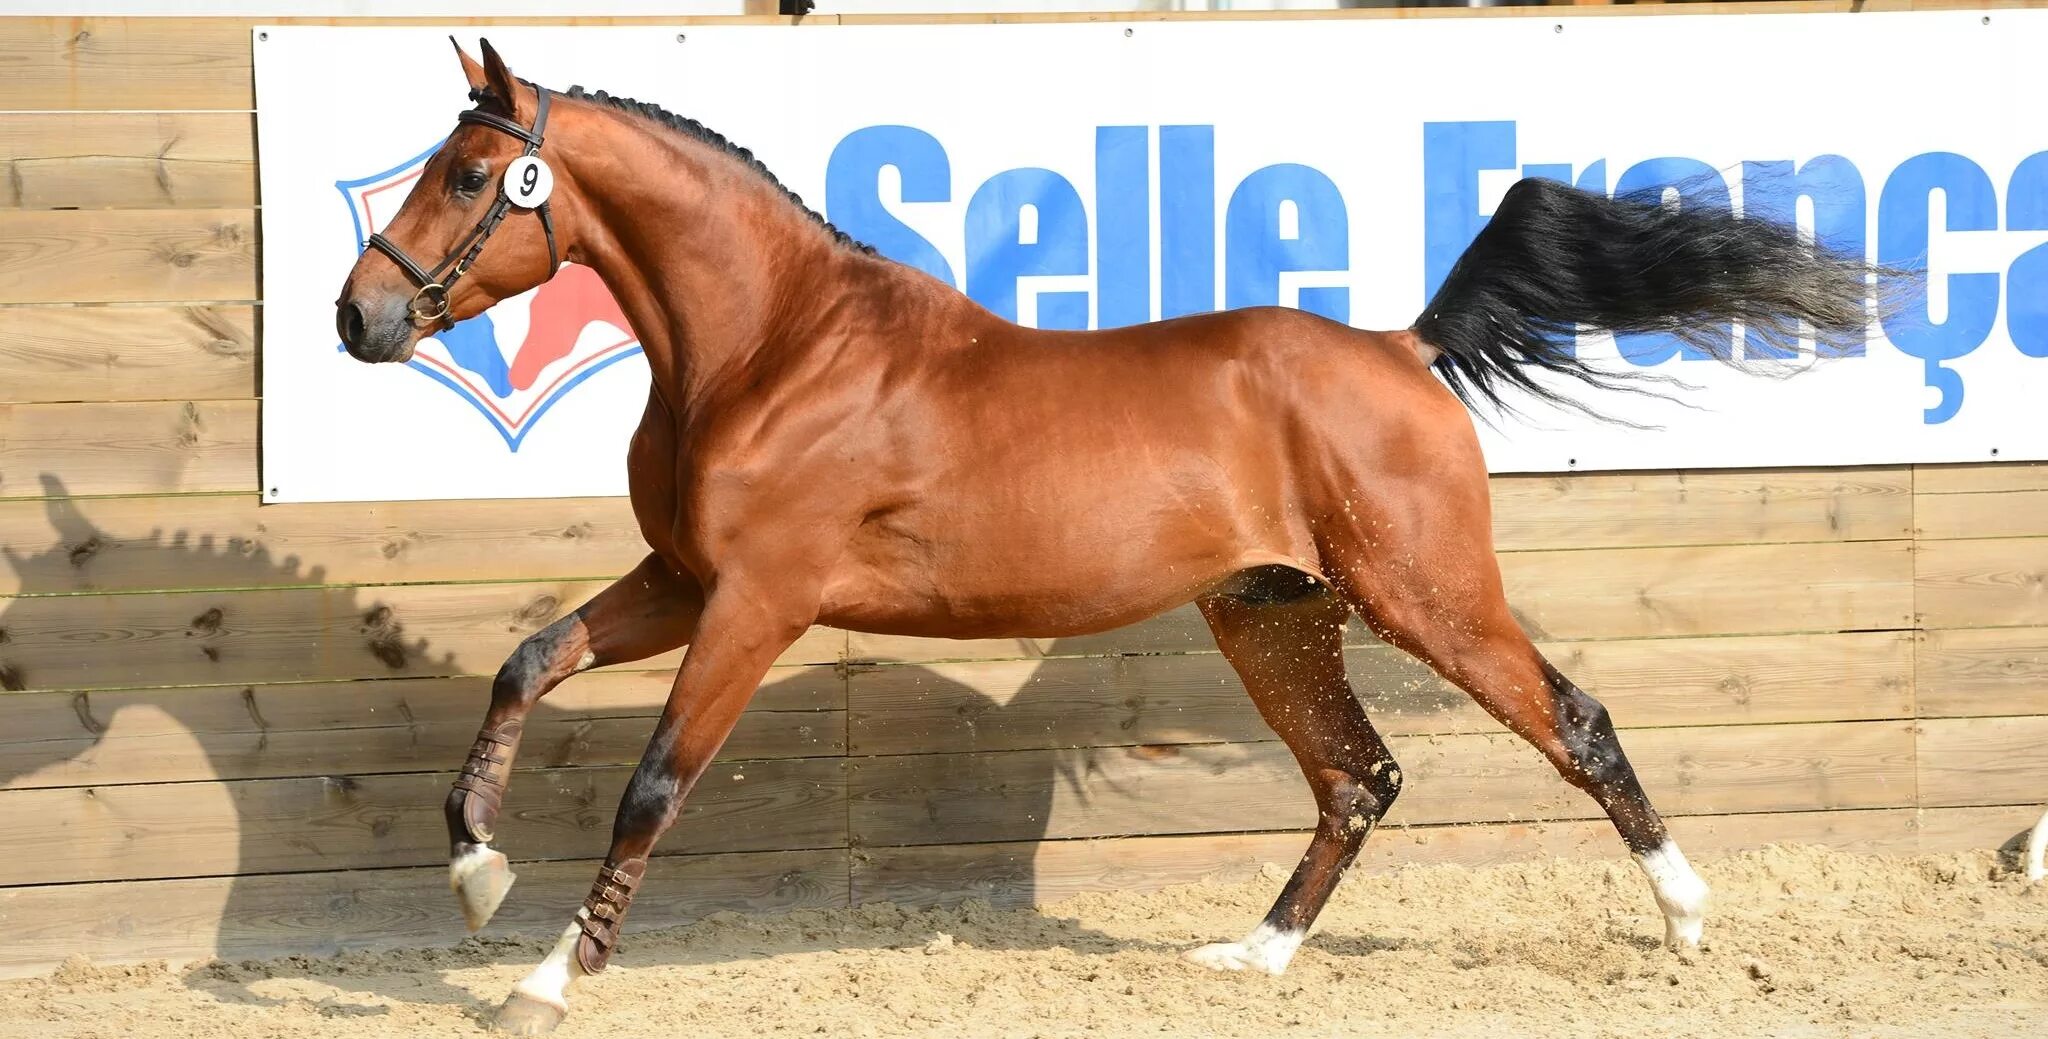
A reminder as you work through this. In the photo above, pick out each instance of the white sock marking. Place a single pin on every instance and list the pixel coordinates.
(468, 862)
(550, 981)
(1266, 948)
(2037, 850)
(1680, 893)
(589, 658)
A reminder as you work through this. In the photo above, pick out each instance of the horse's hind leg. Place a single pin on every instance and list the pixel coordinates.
(1436, 592)
(650, 610)
(1290, 656)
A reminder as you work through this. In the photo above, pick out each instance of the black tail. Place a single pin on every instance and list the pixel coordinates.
(1555, 260)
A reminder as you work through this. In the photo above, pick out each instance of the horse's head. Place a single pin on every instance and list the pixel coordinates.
(479, 226)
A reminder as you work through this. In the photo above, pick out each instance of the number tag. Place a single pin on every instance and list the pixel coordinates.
(528, 182)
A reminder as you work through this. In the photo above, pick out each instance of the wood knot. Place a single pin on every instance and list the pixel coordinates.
(84, 551)
(535, 613)
(10, 678)
(1738, 687)
(205, 624)
(1154, 752)
(384, 636)
(189, 425)
(81, 705)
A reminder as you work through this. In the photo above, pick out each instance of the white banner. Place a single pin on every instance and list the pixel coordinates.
(1335, 165)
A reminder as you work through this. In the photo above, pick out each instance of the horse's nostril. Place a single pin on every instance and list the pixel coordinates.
(348, 321)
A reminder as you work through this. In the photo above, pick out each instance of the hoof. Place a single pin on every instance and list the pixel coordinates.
(1232, 956)
(1684, 934)
(525, 1015)
(480, 880)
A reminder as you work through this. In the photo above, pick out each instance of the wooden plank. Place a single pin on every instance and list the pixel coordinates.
(162, 447)
(1996, 582)
(1022, 874)
(1994, 514)
(128, 547)
(126, 63)
(368, 728)
(1179, 630)
(290, 635)
(1718, 590)
(1626, 510)
(1984, 761)
(123, 353)
(324, 914)
(1975, 477)
(330, 706)
(1096, 792)
(1604, 593)
(127, 255)
(128, 160)
(1963, 673)
(1197, 698)
(362, 822)
(186, 63)
(148, 544)
(2004, 827)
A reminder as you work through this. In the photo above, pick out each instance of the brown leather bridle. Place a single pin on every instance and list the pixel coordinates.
(430, 303)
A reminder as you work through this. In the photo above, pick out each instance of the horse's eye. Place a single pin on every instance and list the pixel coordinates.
(471, 182)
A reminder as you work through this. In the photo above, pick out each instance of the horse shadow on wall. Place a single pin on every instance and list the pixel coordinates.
(275, 751)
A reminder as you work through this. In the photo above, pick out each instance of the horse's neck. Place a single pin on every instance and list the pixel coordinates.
(712, 273)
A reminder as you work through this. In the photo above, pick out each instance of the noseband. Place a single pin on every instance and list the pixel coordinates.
(430, 303)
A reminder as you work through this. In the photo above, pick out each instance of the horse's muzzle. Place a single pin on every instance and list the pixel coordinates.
(375, 332)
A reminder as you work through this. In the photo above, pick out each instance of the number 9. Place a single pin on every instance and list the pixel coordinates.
(528, 182)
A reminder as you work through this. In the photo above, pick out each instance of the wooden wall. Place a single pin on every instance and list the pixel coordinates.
(227, 728)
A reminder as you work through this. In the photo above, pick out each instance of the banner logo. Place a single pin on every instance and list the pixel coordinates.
(515, 361)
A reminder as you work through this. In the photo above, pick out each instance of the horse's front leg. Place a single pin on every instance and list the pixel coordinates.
(743, 629)
(652, 609)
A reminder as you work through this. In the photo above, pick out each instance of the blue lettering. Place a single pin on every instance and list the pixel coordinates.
(2026, 299)
(1123, 226)
(998, 255)
(1453, 155)
(853, 198)
(1256, 252)
(1187, 220)
(1902, 240)
(1595, 178)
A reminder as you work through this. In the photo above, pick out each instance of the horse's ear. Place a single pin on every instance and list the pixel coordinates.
(503, 85)
(470, 69)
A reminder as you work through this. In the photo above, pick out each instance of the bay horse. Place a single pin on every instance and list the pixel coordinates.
(833, 438)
